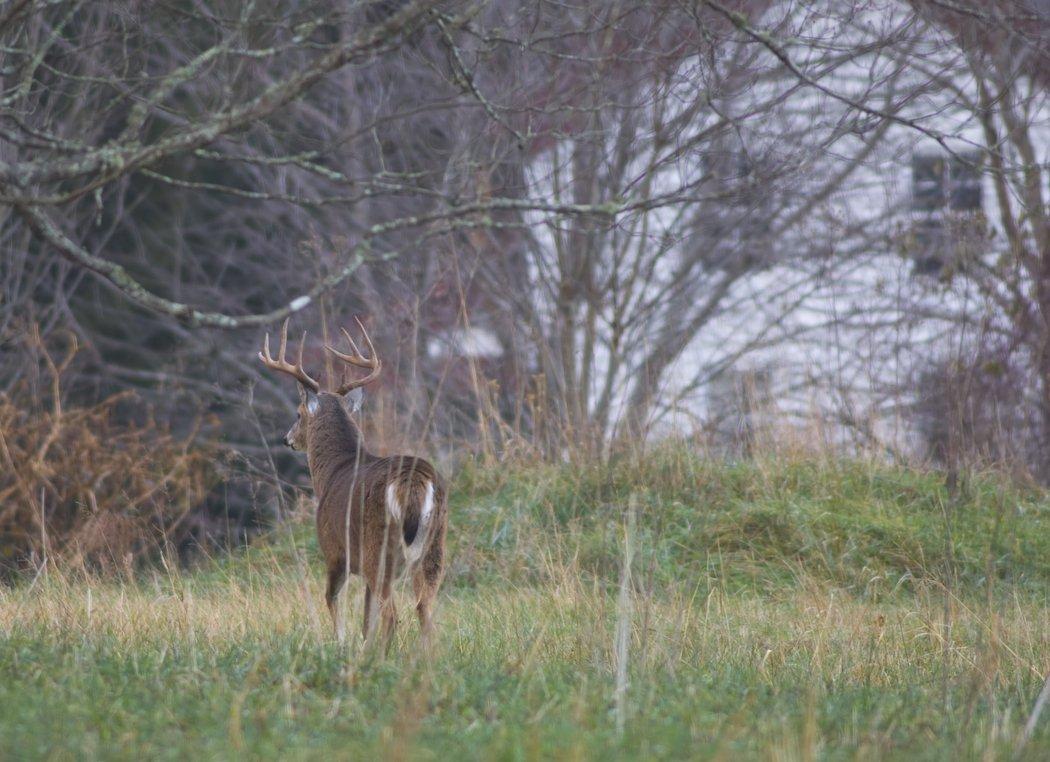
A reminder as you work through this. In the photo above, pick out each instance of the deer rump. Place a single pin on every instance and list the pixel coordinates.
(378, 512)
(409, 499)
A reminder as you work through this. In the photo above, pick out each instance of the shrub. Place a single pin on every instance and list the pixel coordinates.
(83, 485)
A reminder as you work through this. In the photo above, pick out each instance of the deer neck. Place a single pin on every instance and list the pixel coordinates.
(334, 442)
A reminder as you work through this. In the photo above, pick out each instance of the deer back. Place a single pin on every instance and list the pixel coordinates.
(354, 489)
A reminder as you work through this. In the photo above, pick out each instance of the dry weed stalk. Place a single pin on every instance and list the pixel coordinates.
(83, 487)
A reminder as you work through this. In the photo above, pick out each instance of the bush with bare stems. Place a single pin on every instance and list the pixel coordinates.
(83, 486)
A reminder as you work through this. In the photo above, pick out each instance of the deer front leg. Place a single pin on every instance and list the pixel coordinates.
(336, 579)
(370, 618)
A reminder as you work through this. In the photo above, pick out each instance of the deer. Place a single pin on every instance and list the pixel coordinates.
(378, 517)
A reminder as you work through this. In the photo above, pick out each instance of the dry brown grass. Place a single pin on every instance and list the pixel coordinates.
(84, 486)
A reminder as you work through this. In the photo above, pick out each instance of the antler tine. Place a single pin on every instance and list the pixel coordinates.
(284, 341)
(368, 339)
(282, 365)
(265, 355)
(357, 359)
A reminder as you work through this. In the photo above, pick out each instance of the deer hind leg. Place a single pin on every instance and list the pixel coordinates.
(426, 579)
(425, 593)
(336, 579)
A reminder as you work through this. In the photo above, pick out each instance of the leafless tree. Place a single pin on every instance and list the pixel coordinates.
(564, 219)
(960, 329)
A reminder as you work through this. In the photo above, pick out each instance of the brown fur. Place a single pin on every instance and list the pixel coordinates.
(354, 527)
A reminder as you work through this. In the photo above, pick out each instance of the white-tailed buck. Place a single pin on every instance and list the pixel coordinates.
(376, 516)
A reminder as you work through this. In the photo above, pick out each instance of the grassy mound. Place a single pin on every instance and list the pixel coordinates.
(866, 528)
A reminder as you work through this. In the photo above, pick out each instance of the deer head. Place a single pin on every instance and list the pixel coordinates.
(349, 392)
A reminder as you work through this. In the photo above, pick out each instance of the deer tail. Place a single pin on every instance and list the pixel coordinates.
(413, 516)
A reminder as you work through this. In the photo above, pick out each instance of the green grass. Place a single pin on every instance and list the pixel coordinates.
(783, 610)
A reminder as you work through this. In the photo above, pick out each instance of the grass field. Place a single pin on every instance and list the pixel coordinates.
(781, 610)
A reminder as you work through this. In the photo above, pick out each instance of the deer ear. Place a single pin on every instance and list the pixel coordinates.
(354, 398)
(308, 398)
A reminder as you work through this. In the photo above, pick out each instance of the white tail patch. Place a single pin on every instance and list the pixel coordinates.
(391, 503)
(413, 551)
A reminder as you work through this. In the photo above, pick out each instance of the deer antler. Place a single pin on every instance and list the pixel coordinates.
(280, 364)
(357, 360)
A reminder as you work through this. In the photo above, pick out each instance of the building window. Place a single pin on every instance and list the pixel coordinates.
(946, 200)
(745, 184)
(946, 182)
